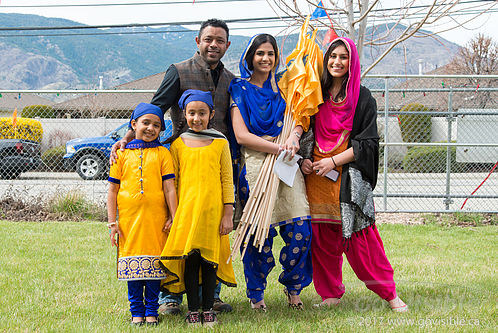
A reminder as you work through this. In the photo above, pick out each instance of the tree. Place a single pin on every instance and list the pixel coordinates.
(351, 18)
(478, 57)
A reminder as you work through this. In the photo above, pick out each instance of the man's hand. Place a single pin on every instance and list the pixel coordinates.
(121, 144)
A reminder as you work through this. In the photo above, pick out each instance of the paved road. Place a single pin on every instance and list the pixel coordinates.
(45, 185)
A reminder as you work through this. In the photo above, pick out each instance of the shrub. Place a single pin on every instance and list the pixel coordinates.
(59, 137)
(74, 206)
(430, 160)
(40, 111)
(27, 129)
(414, 127)
(52, 158)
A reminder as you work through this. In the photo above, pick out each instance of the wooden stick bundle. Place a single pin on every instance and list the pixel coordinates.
(257, 214)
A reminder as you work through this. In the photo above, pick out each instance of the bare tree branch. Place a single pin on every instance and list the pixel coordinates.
(352, 18)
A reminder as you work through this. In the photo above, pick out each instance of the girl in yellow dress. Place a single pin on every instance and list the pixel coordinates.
(142, 189)
(198, 248)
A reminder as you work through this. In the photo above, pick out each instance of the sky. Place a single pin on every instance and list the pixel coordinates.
(186, 11)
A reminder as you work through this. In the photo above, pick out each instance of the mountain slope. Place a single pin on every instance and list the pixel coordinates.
(77, 61)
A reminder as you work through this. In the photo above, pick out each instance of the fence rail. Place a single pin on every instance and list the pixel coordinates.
(439, 142)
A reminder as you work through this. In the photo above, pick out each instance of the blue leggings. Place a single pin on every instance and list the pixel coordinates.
(140, 307)
(295, 258)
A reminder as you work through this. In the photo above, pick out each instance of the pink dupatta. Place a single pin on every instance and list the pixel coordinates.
(334, 121)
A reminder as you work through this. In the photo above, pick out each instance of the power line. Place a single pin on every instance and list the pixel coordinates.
(138, 32)
(134, 25)
(188, 23)
(175, 3)
(126, 4)
(252, 27)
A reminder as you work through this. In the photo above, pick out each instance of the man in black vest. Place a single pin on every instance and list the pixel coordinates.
(204, 71)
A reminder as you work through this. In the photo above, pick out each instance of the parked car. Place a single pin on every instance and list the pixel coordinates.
(17, 156)
(90, 156)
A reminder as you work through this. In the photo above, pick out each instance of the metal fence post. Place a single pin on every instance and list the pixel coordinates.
(386, 137)
(450, 119)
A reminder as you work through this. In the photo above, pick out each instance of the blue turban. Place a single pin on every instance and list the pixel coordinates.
(146, 108)
(191, 95)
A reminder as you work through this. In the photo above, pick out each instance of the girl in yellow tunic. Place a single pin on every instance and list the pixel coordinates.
(198, 241)
(141, 183)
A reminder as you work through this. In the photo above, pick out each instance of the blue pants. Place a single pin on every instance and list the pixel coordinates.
(295, 258)
(140, 307)
(165, 297)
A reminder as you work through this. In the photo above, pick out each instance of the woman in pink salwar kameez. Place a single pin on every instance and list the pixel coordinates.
(342, 208)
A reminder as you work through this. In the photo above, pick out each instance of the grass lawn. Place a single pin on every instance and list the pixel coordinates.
(61, 276)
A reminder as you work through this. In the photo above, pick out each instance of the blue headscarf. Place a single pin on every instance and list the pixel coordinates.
(146, 108)
(191, 95)
(261, 108)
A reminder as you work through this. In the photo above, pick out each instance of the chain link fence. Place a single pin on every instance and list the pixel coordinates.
(438, 141)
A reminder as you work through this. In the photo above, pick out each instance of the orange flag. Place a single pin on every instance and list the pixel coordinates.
(300, 81)
(14, 118)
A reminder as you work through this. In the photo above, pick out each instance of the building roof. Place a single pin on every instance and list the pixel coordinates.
(101, 103)
(434, 93)
(10, 101)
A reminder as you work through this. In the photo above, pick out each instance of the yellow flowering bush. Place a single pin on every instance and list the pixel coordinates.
(27, 129)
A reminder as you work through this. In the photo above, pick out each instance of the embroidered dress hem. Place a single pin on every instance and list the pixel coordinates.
(140, 268)
(292, 220)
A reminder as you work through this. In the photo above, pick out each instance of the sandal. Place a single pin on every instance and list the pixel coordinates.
(295, 306)
(151, 323)
(136, 323)
(261, 307)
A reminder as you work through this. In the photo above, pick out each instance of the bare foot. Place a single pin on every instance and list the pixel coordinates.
(329, 302)
(151, 319)
(397, 305)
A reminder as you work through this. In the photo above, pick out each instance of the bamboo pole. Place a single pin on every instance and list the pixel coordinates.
(257, 215)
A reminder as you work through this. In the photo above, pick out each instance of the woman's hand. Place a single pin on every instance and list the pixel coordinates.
(323, 166)
(291, 146)
(226, 225)
(114, 229)
(292, 143)
(307, 166)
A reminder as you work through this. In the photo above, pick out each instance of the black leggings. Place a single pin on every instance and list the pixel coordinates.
(193, 263)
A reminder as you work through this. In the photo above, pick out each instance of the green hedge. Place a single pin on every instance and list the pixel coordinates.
(52, 159)
(41, 111)
(415, 128)
(431, 160)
